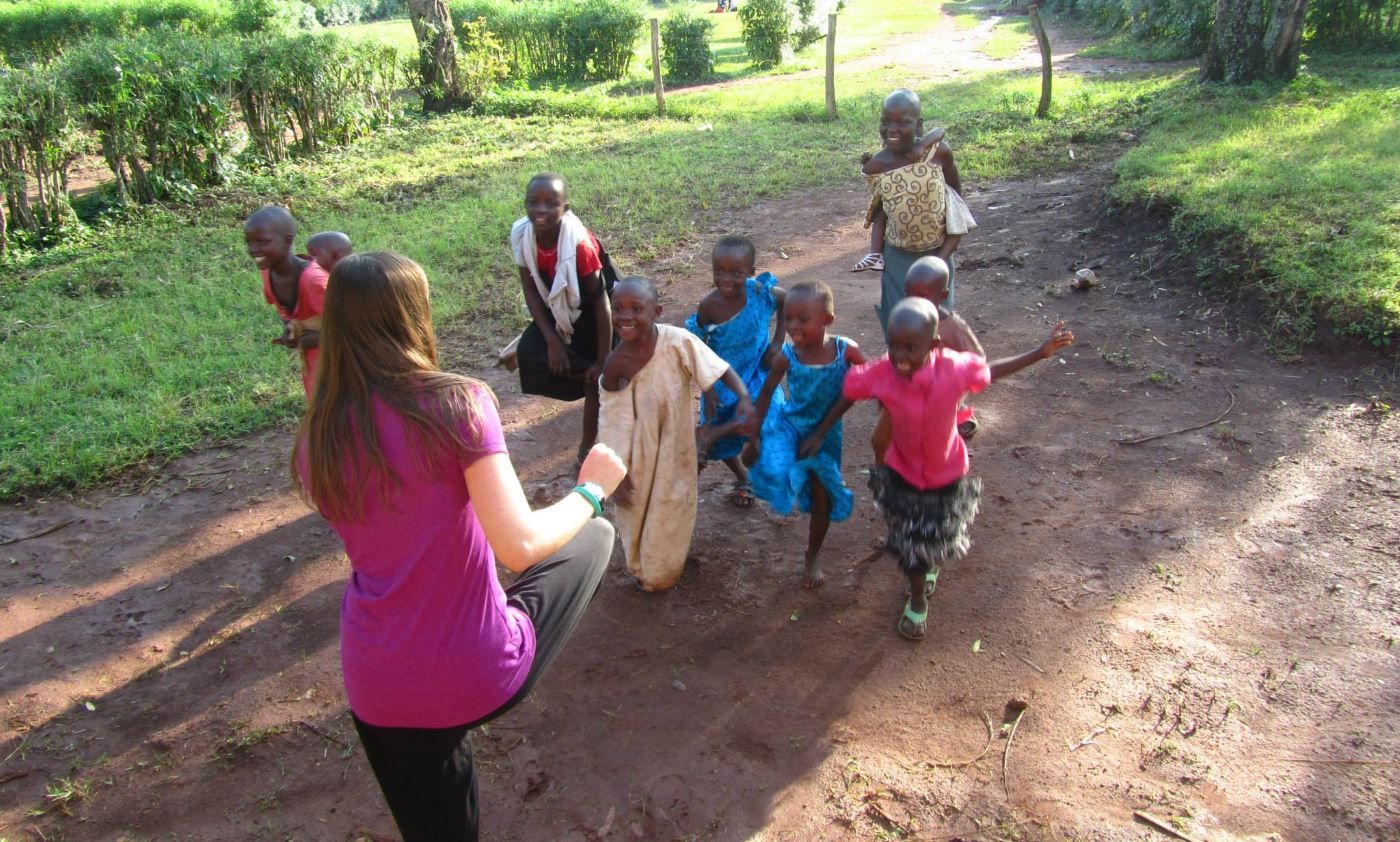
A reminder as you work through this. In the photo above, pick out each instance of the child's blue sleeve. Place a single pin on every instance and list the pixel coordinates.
(762, 286)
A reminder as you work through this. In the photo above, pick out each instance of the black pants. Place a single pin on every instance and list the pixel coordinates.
(426, 774)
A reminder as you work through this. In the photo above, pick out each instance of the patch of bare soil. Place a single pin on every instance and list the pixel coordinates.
(1202, 626)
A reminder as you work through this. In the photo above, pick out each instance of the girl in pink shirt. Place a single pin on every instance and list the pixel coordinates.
(409, 465)
(922, 489)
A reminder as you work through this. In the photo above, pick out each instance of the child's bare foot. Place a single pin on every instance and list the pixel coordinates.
(814, 577)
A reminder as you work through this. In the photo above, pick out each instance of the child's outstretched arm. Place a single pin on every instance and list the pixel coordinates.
(743, 409)
(776, 372)
(775, 346)
(539, 312)
(813, 442)
(1060, 337)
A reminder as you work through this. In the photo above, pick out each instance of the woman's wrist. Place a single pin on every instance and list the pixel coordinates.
(593, 493)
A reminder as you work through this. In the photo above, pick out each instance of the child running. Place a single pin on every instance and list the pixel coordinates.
(928, 279)
(923, 490)
(328, 247)
(648, 418)
(733, 321)
(294, 285)
(796, 460)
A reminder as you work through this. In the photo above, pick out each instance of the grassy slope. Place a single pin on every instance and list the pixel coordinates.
(94, 382)
(1303, 178)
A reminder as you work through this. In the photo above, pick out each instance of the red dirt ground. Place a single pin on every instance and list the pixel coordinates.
(1202, 626)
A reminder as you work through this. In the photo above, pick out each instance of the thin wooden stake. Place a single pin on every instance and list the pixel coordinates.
(1044, 40)
(656, 67)
(831, 66)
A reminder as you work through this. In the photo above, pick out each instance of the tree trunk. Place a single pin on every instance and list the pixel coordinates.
(437, 54)
(1254, 40)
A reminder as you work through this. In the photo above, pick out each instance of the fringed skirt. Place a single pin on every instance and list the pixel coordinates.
(926, 528)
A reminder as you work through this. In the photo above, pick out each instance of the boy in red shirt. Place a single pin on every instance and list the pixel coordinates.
(293, 284)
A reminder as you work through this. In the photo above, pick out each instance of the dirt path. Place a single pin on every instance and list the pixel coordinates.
(1203, 625)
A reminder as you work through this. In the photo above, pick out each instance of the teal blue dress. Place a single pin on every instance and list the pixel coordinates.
(779, 477)
(741, 341)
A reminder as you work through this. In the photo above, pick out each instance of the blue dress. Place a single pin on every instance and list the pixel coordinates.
(779, 476)
(741, 341)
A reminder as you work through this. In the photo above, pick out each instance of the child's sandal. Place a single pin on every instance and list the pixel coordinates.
(968, 429)
(930, 582)
(742, 495)
(874, 262)
(912, 625)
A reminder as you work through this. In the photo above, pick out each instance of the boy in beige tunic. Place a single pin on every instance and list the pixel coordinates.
(647, 415)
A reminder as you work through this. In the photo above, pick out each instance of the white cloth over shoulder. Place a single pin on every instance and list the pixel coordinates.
(960, 219)
(561, 295)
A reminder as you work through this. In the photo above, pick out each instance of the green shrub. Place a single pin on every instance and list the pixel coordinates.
(41, 29)
(685, 46)
(38, 139)
(767, 30)
(341, 12)
(161, 107)
(251, 16)
(326, 90)
(575, 40)
(1355, 24)
(481, 61)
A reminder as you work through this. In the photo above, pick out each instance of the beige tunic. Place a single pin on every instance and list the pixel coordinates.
(650, 422)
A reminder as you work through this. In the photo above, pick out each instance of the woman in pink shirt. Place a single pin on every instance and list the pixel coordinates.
(409, 465)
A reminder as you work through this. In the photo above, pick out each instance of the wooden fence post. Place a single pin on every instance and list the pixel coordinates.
(831, 66)
(656, 66)
(1044, 40)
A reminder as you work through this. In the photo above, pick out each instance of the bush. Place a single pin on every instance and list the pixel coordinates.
(41, 29)
(767, 31)
(328, 91)
(161, 107)
(685, 46)
(575, 40)
(341, 12)
(251, 16)
(38, 139)
(481, 61)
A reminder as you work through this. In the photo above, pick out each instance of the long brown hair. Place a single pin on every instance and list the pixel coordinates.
(377, 341)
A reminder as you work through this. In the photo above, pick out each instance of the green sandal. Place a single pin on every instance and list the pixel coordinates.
(912, 625)
(930, 582)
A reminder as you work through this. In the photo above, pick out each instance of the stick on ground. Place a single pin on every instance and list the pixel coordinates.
(1216, 420)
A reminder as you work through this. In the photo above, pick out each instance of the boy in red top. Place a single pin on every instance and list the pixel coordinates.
(292, 284)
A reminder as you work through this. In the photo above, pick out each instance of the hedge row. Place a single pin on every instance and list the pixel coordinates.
(1184, 26)
(41, 29)
(574, 40)
(163, 112)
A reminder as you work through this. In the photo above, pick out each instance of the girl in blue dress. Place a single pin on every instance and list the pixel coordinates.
(733, 321)
(793, 462)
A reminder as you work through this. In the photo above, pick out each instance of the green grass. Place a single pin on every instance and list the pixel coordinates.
(1009, 37)
(153, 337)
(1301, 182)
(1125, 46)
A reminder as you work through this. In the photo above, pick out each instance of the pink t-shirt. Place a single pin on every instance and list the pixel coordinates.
(426, 637)
(925, 448)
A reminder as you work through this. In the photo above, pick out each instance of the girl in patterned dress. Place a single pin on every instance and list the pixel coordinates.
(733, 320)
(916, 209)
(796, 459)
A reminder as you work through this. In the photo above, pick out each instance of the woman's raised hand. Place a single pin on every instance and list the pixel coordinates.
(604, 467)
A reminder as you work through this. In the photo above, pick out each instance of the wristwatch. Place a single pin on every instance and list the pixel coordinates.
(593, 493)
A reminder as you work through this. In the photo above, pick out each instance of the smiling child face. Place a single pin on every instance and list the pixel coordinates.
(634, 311)
(806, 320)
(731, 267)
(910, 347)
(545, 204)
(267, 244)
